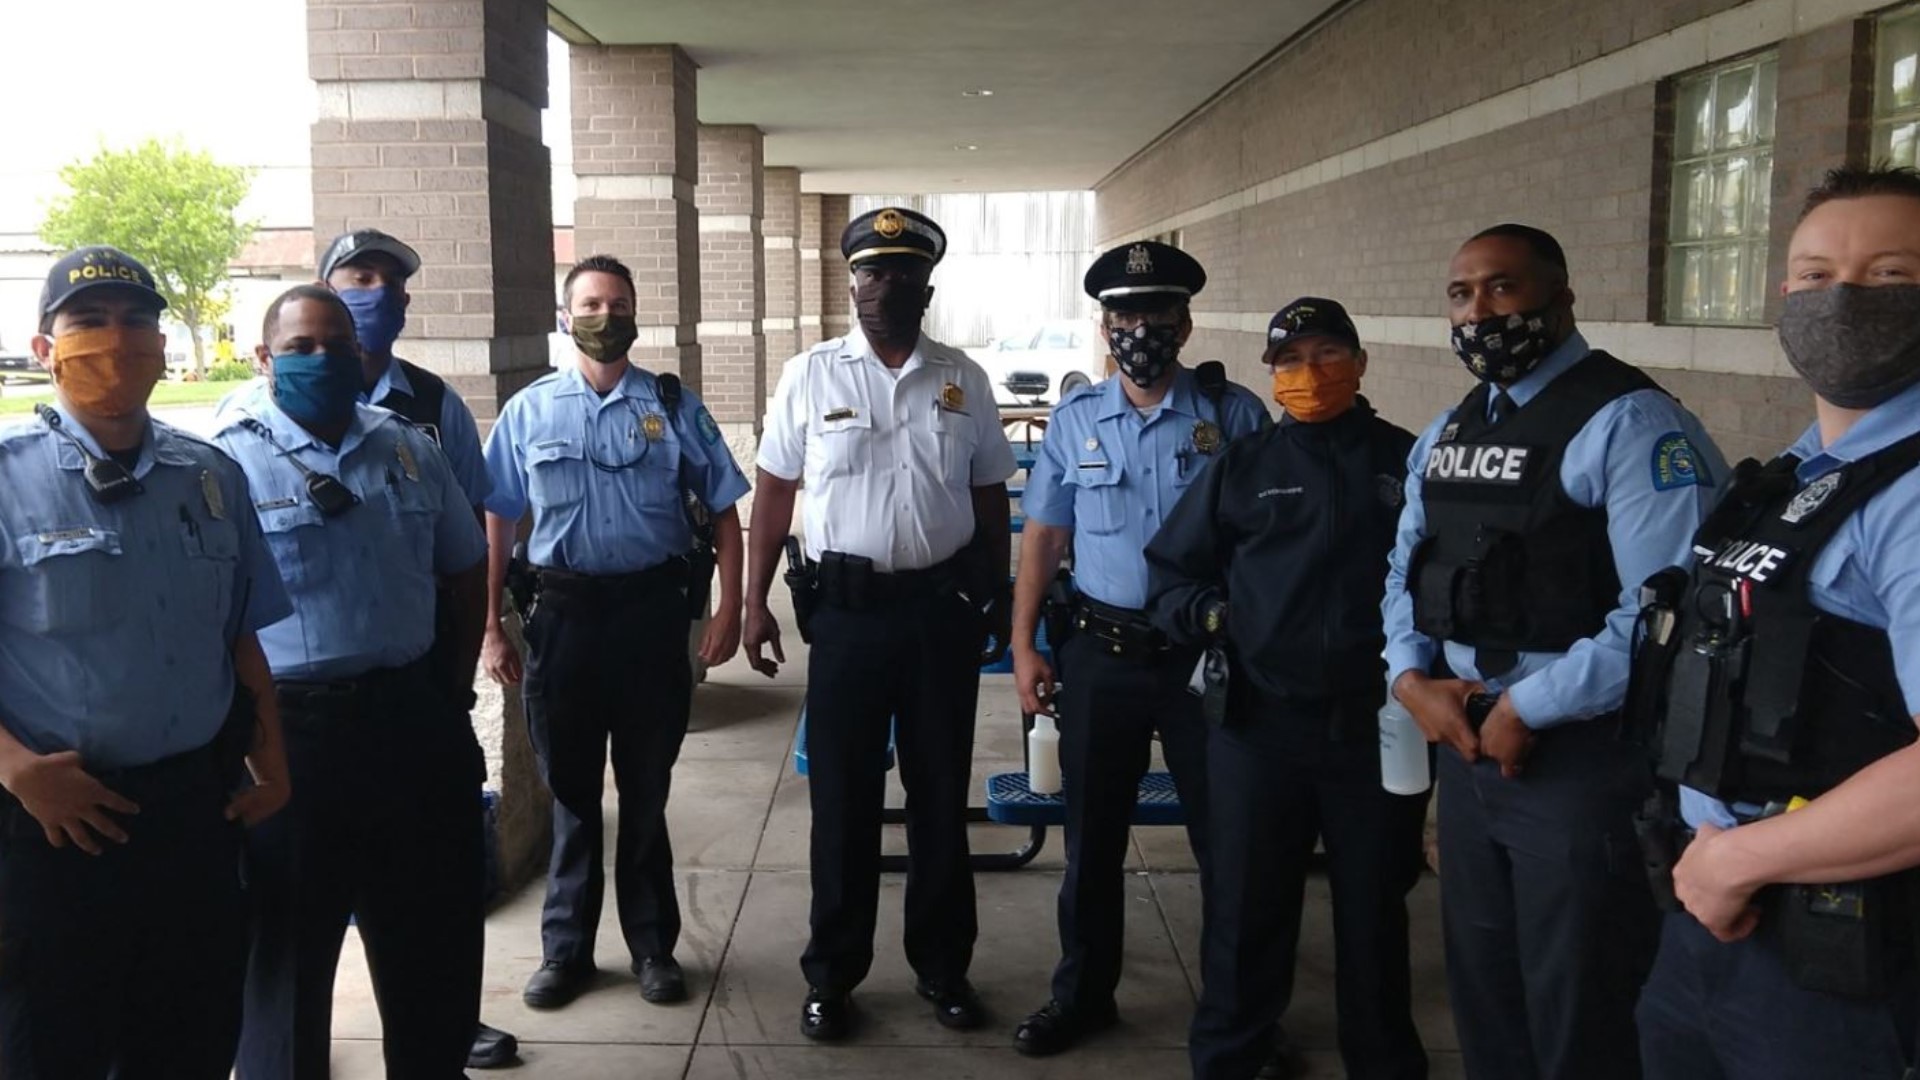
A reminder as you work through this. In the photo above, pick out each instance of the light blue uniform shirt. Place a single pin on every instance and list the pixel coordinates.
(363, 582)
(1870, 571)
(117, 622)
(1630, 458)
(1112, 477)
(459, 437)
(602, 475)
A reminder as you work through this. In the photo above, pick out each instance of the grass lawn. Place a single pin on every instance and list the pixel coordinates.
(18, 400)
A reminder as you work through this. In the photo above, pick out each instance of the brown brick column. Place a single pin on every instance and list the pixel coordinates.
(782, 228)
(429, 128)
(808, 331)
(1825, 97)
(635, 152)
(836, 308)
(731, 198)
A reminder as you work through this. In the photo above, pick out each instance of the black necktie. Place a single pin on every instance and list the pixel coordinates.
(1503, 407)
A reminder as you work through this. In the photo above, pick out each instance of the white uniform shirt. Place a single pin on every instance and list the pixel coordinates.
(888, 463)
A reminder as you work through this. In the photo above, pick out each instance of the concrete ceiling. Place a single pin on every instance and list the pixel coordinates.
(868, 97)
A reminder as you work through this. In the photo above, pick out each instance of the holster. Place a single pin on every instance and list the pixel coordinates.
(803, 581)
(1056, 611)
(522, 582)
(1851, 939)
(1656, 825)
(700, 564)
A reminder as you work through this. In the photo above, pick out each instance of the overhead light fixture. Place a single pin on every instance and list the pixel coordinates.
(967, 147)
(980, 91)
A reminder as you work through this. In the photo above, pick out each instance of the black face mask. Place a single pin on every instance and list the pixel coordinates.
(1856, 346)
(1504, 348)
(890, 309)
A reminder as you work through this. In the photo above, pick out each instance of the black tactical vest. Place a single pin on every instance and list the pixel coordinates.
(1744, 689)
(422, 407)
(1510, 561)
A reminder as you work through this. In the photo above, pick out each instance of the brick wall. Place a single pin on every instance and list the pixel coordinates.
(733, 279)
(810, 330)
(1371, 217)
(782, 229)
(636, 150)
(836, 311)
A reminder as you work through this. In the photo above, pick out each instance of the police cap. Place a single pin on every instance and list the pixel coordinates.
(1310, 316)
(1144, 276)
(95, 267)
(348, 247)
(892, 230)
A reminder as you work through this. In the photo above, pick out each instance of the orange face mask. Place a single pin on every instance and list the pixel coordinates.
(1314, 392)
(110, 371)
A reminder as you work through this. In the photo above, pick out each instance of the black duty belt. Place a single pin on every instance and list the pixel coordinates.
(850, 582)
(332, 699)
(1118, 631)
(190, 774)
(611, 588)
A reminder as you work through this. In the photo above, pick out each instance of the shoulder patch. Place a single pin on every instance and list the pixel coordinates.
(709, 430)
(1676, 464)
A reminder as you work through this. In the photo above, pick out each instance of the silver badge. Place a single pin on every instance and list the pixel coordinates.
(1811, 498)
(1093, 443)
(1139, 260)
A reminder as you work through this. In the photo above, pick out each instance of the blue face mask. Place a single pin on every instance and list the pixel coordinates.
(378, 317)
(316, 388)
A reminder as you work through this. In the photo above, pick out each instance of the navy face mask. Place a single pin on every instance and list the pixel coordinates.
(378, 317)
(316, 388)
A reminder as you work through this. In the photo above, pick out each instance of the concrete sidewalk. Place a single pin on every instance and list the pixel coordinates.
(739, 824)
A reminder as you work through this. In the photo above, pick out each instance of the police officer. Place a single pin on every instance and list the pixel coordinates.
(1277, 554)
(1115, 460)
(1794, 954)
(906, 522)
(1534, 509)
(369, 270)
(363, 516)
(604, 456)
(132, 581)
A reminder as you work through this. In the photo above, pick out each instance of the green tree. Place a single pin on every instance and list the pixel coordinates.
(170, 207)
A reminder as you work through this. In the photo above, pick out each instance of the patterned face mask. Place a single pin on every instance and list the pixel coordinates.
(1504, 348)
(1144, 353)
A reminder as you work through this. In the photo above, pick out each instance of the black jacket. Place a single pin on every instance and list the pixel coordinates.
(1292, 527)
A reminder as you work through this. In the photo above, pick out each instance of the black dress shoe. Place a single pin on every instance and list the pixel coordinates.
(1285, 1062)
(492, 1049)
(955, 1004)
(661, 980)
(556, 984)
(1057, 1027)
(826, 1016)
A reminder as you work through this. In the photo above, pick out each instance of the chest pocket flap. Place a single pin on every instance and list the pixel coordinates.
(845, 440)
(1099, 503)
(66, 587)
(556, 472)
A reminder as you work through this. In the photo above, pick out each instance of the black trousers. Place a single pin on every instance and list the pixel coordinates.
(1716, 1010)
(384, 828)
(1109, 710)
(1550, 925)
(609, 671)
(1280, 781)
(126, 964)
(916, 662)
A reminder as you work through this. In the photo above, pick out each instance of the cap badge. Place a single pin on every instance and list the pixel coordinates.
(1206, 436)
(653, 426)
(889, 224)
(952, 396)
(1139, 260)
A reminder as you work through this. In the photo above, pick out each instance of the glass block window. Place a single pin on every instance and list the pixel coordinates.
(1896, 88)
(1721, 195)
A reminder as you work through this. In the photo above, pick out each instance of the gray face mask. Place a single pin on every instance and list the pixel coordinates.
(1855, 346)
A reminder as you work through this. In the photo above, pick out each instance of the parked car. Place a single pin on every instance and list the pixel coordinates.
(1039, 366)
(19, 365)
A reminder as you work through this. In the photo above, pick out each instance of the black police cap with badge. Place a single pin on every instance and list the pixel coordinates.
(1310, 316)
(1144, 276)
(348, 247)
(95, 267)
(893, 231)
